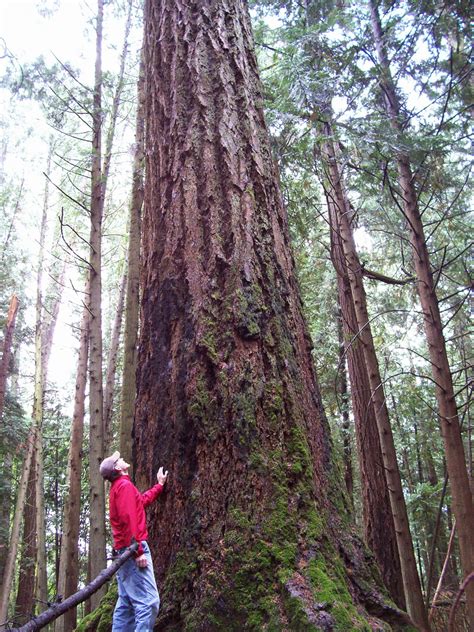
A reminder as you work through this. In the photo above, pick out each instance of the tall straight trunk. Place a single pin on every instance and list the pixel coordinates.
(379, 528)
(6, 497)
(41, 589)
(6, 501)
(411, 581)
(32, 589)
(97, 557)
(227, 395)
(25, 597)
(133, 275)
(462, 502)
(69, 559)
(100, 172)
(50, 320)
(8, 575)
(7, 348)
(112, 364)
(116, 101)
(344, 405)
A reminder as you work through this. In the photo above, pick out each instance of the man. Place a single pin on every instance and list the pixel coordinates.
(138, 601)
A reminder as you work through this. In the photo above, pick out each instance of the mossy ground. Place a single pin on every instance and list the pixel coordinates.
(100, 620)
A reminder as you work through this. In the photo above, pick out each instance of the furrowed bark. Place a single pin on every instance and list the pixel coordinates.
(462, 502)
(227, 395)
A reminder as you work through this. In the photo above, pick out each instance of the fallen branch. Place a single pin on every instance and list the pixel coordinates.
(57, 609)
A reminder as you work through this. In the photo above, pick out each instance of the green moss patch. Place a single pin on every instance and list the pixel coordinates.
(100, 620)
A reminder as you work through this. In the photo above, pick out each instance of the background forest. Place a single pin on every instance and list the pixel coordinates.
(369, 109)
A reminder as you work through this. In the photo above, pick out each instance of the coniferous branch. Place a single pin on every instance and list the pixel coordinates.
(67, 195)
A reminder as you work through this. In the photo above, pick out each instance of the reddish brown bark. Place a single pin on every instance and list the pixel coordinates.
(462, 502)
(7, 348)
(341, 207)
(379, 529)
(343, 392)
(227, 396)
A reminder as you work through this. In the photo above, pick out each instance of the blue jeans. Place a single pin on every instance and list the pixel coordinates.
(138, 601)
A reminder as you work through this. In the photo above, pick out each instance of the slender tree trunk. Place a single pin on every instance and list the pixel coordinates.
(49, 322)
(6, 500)
(411, 581)
(69, 559)
(379, 528)
(41, 576)
(227, 395)
(41, 589)
(32, 588)
(462, 502)
(97, 558)
(133, 273)
(6, 496)
(6, 350)
(8, 575)
(344, 404)
(112, 365)
(25, 597)
(116, 101)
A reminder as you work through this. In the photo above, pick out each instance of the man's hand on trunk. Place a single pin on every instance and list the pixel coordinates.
(161, 477)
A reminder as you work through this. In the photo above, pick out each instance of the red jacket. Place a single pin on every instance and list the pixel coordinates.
(127, 512)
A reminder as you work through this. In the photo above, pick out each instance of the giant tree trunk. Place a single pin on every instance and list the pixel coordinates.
(340, 206)
(462, 503)
(97, 558)
(250, 529)
(69, 559)
(6, 349)
(133, 274)
(379, 529)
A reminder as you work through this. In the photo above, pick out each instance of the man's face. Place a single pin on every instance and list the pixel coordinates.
(121, 465)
